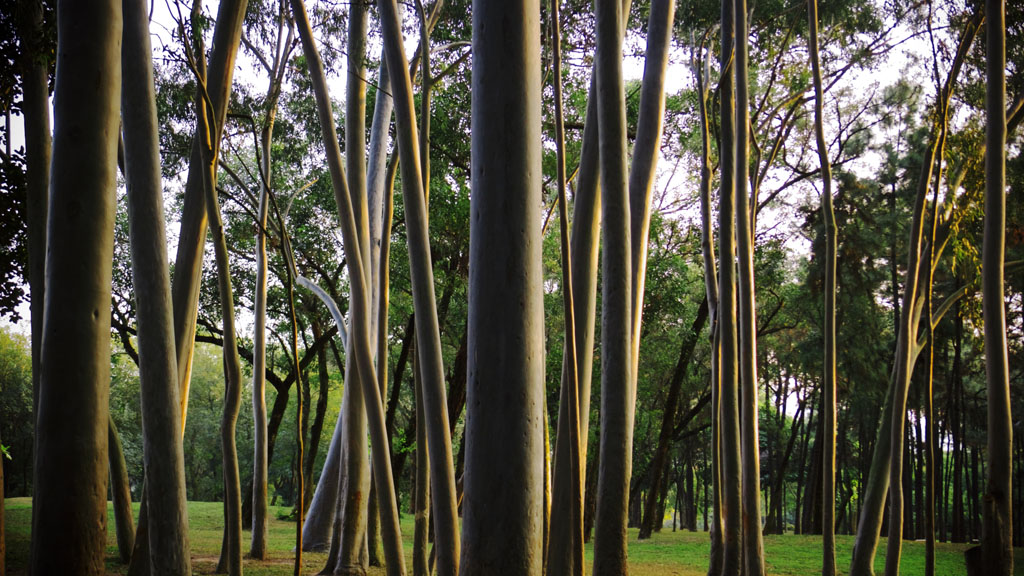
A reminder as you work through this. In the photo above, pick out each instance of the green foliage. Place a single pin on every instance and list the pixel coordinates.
(16, 417)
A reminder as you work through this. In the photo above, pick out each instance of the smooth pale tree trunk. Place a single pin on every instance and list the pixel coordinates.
(570, 550)
(36, 113)
(428, 338)
(828, 473)
(702, 72)
(883, 461)
(188, 262)
(616, 314)
(258, 542)
(231, 551)
(729, 423)
(380, 183)
(120, 493)
(71, 433)
(322, 509)
(355, 467)
(163, 454)
(997, 536)
(641, 180)
(365, 371)
(753, 546)
(502, 509)
(644, 161)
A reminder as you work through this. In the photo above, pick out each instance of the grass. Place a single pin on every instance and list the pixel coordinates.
(666, 554)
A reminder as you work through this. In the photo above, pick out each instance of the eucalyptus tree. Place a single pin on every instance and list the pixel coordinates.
(828, 473)
(610, 556)
(504, 440)
(163, 452)
(885, 474)
(428, 338)
(70, 473)
(275, 69)
(365, 370)
(997, 536)
(728, 380)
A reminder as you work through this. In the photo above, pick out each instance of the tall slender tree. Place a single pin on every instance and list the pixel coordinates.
(828, 468)
(71, 433)
(163, 453)
(997, 536)
(502, 510)
(729, 415)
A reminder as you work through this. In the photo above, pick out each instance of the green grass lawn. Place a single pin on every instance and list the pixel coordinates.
(667, 553)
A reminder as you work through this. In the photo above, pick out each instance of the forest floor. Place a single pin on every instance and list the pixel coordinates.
(667, 553)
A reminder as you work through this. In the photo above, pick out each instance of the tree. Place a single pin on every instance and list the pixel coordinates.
(997, 537)
(71, 432)
(828, 468)
(504, 439)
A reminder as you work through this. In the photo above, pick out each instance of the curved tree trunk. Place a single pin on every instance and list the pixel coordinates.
(71, 433)
(702, 72)
(364, 369)
(997, 537)
(828, 473)
(428, 338)
(121, 494)
(167, 528)
(505, 392)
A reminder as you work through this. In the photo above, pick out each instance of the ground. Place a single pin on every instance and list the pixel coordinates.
(666, 554)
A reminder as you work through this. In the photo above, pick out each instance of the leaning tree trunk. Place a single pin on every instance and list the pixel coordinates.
(231, 552)
(505, 393)
(828, 475)
(121, 494)
(71, 433)
(997, 536)
(167, 529)
(883, 461)
(702, 72)
(729, 414)
(616, 315)
(753, 546)
(428, 336)
(364, 369)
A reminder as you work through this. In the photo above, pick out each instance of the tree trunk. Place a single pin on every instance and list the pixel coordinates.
(167, 529)
(121, 494)
(421, 548)
(997, 537)
(616, 316)
(70, 506)
(316, 430)
(505, 391)
(753, 547)
(707, 235)
(668, 417)
(828, 471)
(365, 371)
(729, 426)
(445, 509)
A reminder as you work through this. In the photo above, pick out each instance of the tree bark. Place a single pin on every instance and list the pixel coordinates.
(997, 536)
(503, 498)
(71, 432)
